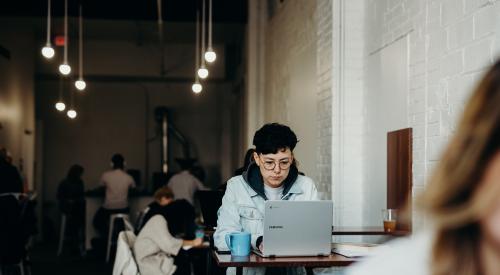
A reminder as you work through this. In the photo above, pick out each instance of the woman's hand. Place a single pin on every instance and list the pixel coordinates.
(195, 242)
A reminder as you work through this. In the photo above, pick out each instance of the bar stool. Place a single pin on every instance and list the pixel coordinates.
(62, 234)
(128, 226)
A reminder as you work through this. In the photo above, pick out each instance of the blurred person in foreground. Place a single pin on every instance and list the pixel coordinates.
(462, 201)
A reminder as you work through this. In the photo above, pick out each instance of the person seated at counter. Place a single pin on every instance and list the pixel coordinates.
(10, 179)
(184, 184)
(273, 175)
(168, 225)
(117, 184)
(71, 197)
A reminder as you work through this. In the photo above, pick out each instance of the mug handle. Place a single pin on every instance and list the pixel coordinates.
(228, 241)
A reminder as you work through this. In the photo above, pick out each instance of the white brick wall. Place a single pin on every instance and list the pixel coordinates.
(297, 84)
(324, 82)
(451, 44)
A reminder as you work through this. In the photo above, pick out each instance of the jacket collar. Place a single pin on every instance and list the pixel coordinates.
(254, 179)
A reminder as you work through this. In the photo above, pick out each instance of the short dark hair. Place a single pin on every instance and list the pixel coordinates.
(118, 160)
(273, 137)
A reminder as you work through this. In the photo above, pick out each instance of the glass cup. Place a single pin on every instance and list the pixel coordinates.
(199, 233)
(389, 216)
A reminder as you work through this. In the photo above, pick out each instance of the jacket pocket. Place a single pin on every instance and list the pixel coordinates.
(251, 218)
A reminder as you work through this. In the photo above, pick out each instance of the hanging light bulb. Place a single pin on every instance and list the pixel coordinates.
(197, 88)
(80, 83)
(60, 106)
(71, 113)
(47, 51)
(64, 68)
(203, 72)
(210, 55)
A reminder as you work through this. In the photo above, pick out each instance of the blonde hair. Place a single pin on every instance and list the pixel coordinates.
(455, 199)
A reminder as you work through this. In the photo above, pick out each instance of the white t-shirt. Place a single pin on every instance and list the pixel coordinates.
(184, 185)
(273, 194)
(117, 183)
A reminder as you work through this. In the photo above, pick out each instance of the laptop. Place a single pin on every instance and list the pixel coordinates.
(297, 228)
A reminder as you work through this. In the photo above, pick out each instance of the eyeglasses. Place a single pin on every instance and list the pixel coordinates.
(271, 165)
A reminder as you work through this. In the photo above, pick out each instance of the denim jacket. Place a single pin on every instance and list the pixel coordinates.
(243, 208)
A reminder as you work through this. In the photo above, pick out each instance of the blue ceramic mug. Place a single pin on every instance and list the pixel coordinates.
(238, 243)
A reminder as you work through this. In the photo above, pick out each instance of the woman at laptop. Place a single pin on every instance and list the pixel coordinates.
(272, 175)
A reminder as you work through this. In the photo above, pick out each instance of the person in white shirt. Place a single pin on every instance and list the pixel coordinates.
(184, 184)
(117, 184)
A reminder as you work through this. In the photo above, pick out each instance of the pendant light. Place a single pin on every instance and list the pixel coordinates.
(60, 106)
(64, 68)
(71, 112)
(80, 83)
(202, 71)
(196, 87)
(47, 51)
(210, 55)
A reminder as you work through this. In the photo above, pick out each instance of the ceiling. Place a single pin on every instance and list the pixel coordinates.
(224, 11)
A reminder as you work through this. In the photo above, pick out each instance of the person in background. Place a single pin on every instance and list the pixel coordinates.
(161, 237)
(10, 179)
(117, 184)
(462, 200)
(198, 172)
(246, 162)
(71, 197)
(183, 184)
(272, 176)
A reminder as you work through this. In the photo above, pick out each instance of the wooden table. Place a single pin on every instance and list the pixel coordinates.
(366, 230)
(226, 260)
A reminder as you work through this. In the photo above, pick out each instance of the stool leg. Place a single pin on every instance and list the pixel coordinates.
(110, 236)
(61, 235)
(21, 268)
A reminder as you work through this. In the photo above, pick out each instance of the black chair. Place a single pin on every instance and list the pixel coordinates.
(210, 202)
(18, 225)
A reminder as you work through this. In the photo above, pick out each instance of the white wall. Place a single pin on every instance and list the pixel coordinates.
(290, 82)
(451, 44)
(441, 49)
(17, 111)
(386, 109)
